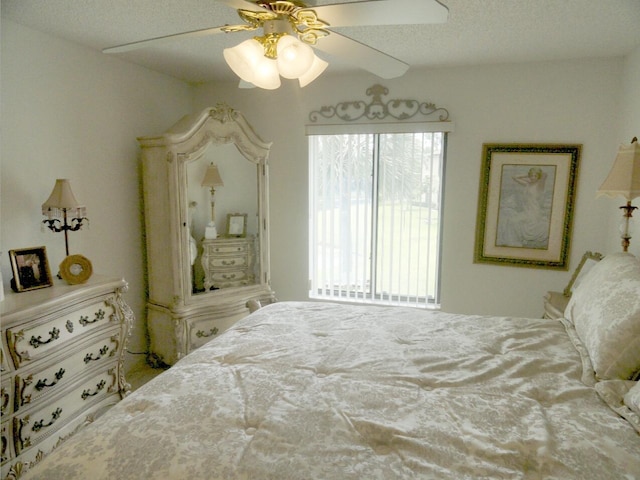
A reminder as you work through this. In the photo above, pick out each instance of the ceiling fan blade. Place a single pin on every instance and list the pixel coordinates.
(383, 12)
(361, 55)
(160, 40)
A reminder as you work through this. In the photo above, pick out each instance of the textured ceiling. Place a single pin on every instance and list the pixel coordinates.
(478, 31)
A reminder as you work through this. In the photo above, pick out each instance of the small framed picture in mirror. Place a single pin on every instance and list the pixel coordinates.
(237, 224)
(30, 268)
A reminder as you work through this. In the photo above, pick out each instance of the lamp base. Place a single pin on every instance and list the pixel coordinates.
(210, 233)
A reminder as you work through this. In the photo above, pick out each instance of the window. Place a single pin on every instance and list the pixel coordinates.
(376, 216)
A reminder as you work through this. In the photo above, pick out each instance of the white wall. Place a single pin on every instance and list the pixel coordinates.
(71, 112)
(557, 102)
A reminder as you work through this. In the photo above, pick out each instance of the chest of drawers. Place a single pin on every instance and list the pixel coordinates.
(228, 262)
(61, 364)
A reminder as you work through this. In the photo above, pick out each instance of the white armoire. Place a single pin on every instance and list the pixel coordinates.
(185, 307)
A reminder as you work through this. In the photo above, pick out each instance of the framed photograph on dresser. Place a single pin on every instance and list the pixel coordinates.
(237, 225)
(525, 204)
(30, 268)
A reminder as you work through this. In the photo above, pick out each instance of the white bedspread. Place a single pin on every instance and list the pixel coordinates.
(323, 391)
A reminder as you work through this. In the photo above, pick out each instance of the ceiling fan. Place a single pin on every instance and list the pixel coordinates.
(291, 28)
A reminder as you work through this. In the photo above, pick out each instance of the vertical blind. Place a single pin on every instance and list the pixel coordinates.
(375, 216)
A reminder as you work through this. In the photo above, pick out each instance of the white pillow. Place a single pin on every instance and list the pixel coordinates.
(605, 309)
(632, 398)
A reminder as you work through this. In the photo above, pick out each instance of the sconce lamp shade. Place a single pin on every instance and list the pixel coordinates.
(624, 177)
(62, 199)
(212, 177)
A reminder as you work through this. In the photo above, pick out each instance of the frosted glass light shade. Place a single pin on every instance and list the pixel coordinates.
(266, 74)
(317, 67)
(243, 58)
(294, 57)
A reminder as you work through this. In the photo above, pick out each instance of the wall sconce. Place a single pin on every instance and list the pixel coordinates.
(64, 213)
(212, 179)
(624, 180)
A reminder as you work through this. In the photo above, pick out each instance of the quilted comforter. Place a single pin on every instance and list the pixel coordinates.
(326, 391)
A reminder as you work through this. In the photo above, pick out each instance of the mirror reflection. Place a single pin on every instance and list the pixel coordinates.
(224, 225)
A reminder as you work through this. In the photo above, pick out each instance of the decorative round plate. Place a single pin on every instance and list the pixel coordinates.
(76, 269)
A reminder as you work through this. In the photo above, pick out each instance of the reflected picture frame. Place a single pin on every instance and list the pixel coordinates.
(30, 267)
(237, 225)
(525, 204)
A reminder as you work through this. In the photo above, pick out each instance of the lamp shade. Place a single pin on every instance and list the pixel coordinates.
(624, 178)
(61, 196)
(242, 58)
(212, 177)
(266, 74)
(317, 67)
(294, 57)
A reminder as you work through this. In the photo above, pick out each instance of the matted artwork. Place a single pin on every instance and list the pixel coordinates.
(525, 205)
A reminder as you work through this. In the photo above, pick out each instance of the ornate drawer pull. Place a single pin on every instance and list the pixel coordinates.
(89, 356)
(87, 393)
(84, 320)
(53, 335)
(39, 425)
(5, 401)
(229, 276)
(42, 383)
(227, 262)
(212, 332)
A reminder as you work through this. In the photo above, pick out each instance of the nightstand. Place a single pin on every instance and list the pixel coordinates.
(228, 262)
(554, 305)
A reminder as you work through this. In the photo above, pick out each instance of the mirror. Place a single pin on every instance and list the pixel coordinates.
(237, 196)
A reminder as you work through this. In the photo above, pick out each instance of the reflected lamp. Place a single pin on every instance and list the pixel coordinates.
(212, 179)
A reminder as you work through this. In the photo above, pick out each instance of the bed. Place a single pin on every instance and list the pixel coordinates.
(304, 390)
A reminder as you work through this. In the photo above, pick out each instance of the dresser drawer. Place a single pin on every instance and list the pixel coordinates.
(27, 344)
(30, 386)
(228, 279)
(230, 261)
(6, 451)
(201, 331)
(30, 428)
(218, 249)
(4, 360)
(6, 396)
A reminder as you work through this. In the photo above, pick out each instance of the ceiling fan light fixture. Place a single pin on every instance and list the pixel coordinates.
(317, 67)
(243, 58)
(266, 74)
(294, 57)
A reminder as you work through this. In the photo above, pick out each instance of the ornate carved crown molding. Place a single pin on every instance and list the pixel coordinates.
(377, 109)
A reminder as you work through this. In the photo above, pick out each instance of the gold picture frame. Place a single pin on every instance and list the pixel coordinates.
(525, 204)
(237, 225)
(587, 262)
(30, 268)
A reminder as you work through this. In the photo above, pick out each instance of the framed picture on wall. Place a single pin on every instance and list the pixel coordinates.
(525, 204)
(30, 268)
(237, 225)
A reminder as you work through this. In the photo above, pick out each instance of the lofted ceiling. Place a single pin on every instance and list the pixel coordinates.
(478, 32)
